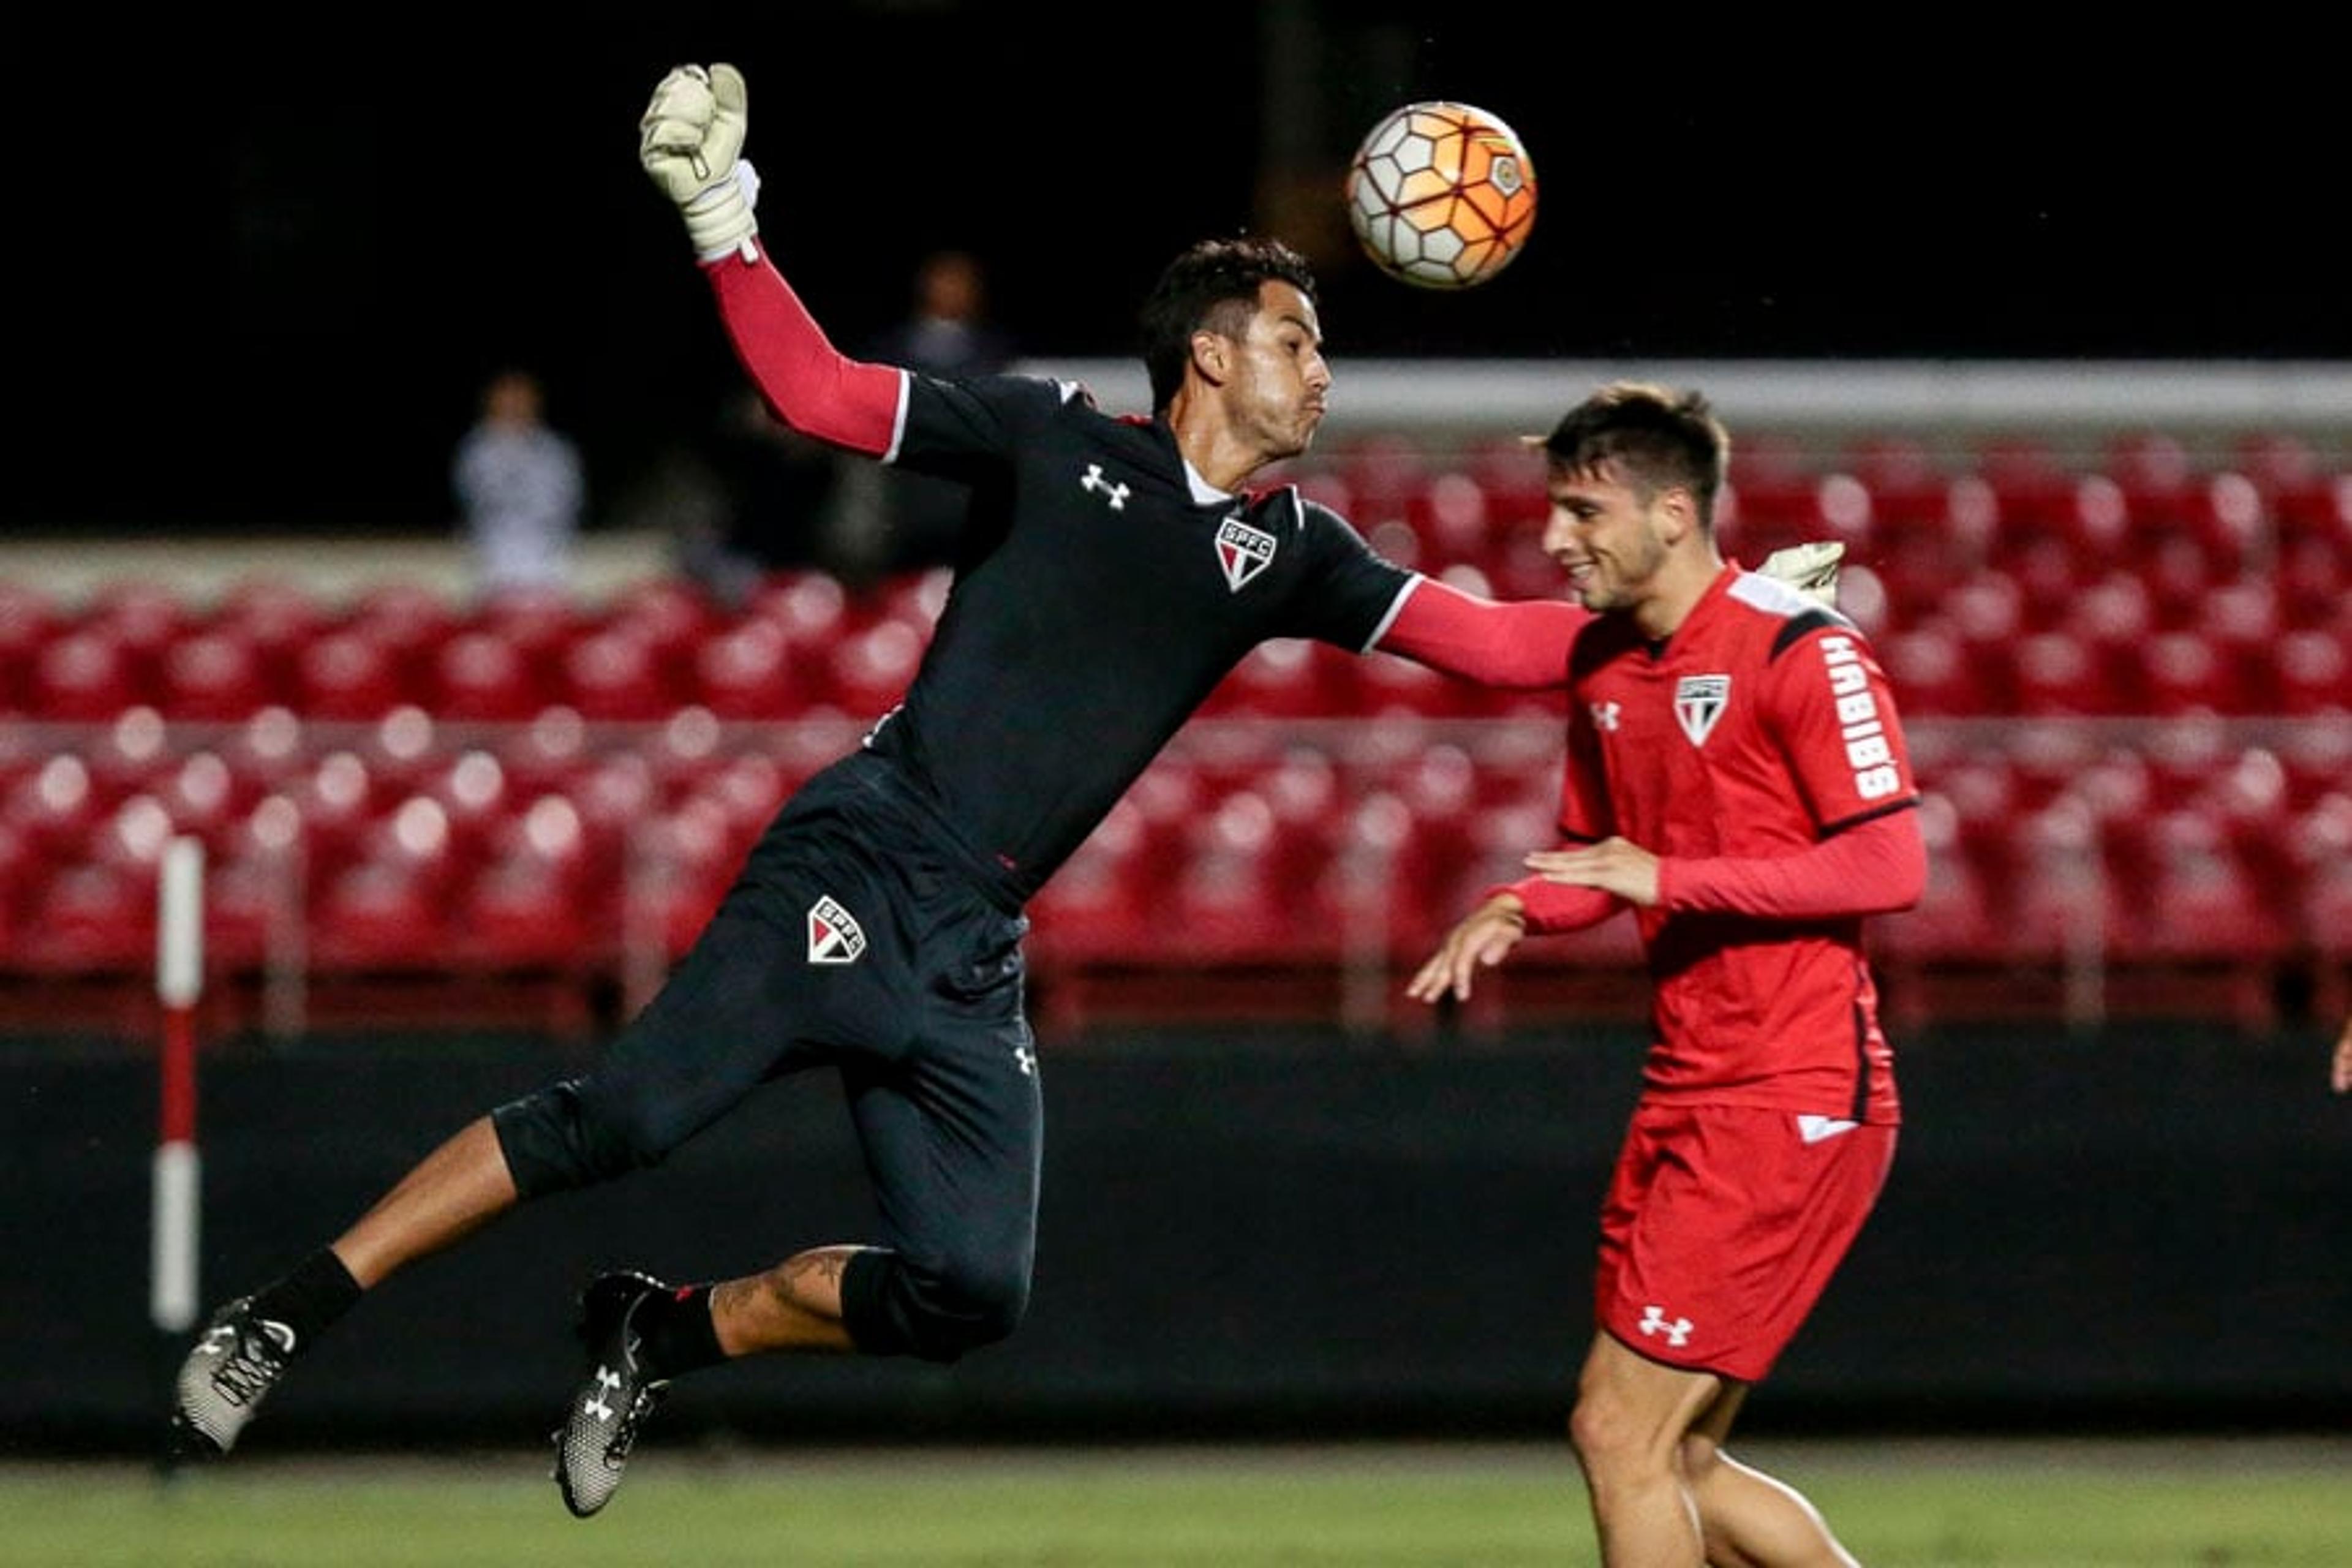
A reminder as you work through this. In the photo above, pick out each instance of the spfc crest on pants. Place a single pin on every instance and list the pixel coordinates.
(834, 933)
(1244, 551)
(1698, 703)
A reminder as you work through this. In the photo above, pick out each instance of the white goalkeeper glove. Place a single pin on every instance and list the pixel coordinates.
(1811, 569)
(691, 141)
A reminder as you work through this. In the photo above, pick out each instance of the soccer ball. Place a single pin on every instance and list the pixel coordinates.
(1441, 195)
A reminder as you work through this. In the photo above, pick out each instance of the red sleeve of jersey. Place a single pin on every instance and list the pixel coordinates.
(1829, 703)
(1872, 868)
(1521, 643)
(1555, 907)
(810, 384)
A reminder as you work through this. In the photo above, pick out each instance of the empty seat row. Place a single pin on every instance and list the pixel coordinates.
(567, 851)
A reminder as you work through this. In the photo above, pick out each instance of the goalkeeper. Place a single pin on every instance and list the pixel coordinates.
(1111, 571)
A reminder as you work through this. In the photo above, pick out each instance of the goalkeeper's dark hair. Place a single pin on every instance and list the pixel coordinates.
(1657, 438)
(1213, 285)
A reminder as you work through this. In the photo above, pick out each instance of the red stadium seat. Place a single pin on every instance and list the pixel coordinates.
(389, 907)
(354, 672)
(871, 669)
(1283, 678)
(2057, 673)
(1383, 473)
(481, 673)
(1956, 919)
(141, 617)
(409, 618)
(1230, 898)
(749, 672)
(2317, 759)
(544, 754)
(531, 901)
(214, 674)
(205, 796)
(811, 609)
(1910, 488)
(29, 619)
(1101, 906)
(83, 676)
(1449, 516)
(2030, 482)
(2321, 839)
(91, 917)
(1934, 676)
(678, 868)
(277, 614)
(2179, 672)
(471, 790)
(672, 618)
(253, 895)
(615, 674)
(53, 811)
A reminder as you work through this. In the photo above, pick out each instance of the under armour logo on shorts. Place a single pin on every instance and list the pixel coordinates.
(834, 933)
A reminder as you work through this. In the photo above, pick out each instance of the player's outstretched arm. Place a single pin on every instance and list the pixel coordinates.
(1483, 940)
(2340, 1071)
(691, 141)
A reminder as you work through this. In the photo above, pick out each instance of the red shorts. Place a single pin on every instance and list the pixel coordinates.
(1722, 1226)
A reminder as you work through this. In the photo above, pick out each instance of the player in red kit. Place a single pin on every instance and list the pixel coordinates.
(1736, 777)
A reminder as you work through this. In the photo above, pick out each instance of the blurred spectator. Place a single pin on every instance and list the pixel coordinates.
(520, 489)
(895, 520)
(772, 504)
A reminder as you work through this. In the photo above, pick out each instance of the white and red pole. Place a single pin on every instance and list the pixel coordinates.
(179, 982)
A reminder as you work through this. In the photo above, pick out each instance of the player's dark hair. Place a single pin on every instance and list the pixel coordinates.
(1213, 285)
(1657, 439)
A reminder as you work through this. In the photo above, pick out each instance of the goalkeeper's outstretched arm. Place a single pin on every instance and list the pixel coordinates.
(691, 141)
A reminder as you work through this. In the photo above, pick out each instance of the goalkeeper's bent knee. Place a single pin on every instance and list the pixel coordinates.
(892, 1306)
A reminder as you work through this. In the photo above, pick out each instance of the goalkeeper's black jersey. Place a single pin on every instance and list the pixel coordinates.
(1096, 604)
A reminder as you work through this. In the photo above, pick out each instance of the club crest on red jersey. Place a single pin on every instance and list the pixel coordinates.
(834, 934)
(1699, 702)
(1243, 551)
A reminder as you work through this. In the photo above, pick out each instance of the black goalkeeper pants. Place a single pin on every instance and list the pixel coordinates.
(855, 938)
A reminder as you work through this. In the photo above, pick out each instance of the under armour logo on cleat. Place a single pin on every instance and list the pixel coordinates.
(607, 1382)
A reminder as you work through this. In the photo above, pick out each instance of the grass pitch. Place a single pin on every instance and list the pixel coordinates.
(1898, 1504)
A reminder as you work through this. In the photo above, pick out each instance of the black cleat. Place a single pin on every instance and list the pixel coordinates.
(235, 1364)
(615, 1394)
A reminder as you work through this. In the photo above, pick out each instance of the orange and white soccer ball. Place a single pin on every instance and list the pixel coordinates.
(1441, 195)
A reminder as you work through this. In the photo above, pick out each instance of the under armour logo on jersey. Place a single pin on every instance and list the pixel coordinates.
(1243, 551)
(1093, 480)
(1654, 1323)
(1698, 703)
(1026, 1060)
(834, 934)
(1607, 715)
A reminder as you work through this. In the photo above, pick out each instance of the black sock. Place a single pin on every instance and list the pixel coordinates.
(679, 1336)
(309, 1297)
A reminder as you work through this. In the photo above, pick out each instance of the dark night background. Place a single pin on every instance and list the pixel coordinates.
(270, 262)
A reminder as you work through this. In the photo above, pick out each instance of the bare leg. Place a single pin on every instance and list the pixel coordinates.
(450, 1194)
(795, 1306)
(1750, 1520)
(1628, 1426)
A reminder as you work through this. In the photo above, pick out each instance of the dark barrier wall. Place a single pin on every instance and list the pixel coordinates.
(1298, 1234)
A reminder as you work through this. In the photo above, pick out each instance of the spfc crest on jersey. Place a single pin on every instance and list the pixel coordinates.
(1698, 703)
(1243, 551)
(834, 934)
